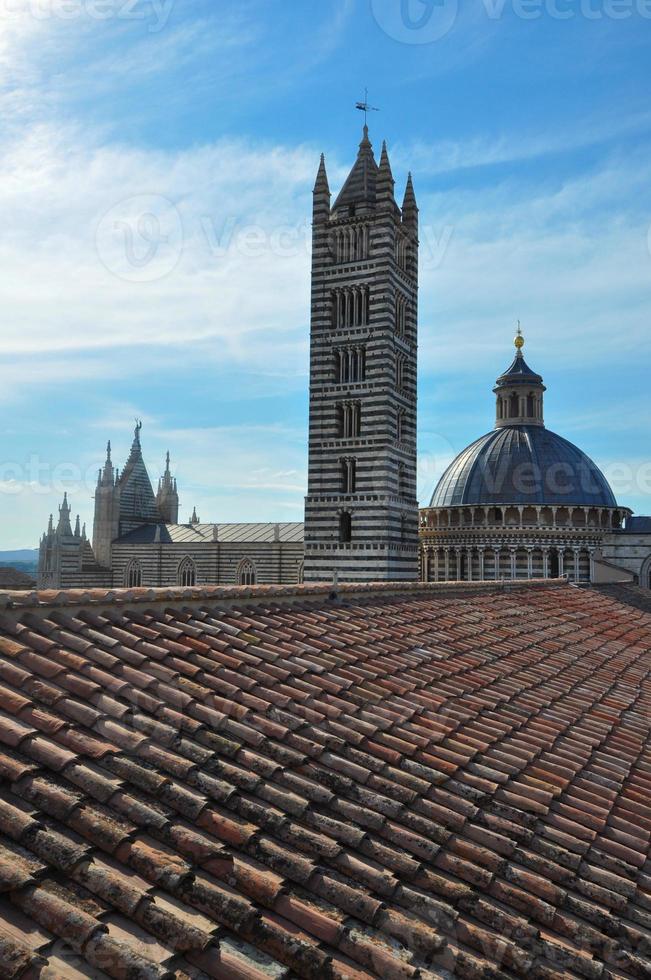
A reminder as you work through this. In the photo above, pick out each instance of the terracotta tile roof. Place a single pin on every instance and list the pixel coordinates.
(395, 782)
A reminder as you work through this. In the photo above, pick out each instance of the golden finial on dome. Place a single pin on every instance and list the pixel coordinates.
(519, 339)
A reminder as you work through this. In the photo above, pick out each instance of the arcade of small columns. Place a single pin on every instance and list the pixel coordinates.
(484, 543)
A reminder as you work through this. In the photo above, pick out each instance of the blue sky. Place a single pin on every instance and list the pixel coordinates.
(527, 127)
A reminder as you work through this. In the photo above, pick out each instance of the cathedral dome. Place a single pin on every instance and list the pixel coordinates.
(521, 462)
(523, 465)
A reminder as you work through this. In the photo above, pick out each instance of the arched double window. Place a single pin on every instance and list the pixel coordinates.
(133, 575)
(348, 475)
(246, 574)
(187, 573)
(349, 416)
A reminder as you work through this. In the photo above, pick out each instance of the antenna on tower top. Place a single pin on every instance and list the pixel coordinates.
(365, 107)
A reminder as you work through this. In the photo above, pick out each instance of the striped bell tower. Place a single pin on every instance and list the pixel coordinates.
(361, 512)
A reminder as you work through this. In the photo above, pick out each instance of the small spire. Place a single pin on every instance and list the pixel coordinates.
(83, 532)
(194, 519)
(108, 451)
(167, 461)
(519, 340)
(77, 527)
(384, 159)
(50, 525)
(409, 202)
(385, 181)
(321, 185)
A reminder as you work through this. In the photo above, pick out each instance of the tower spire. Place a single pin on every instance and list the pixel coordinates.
(64, 526)
(321, 185)
(167, 499)
(106, 478)
(360, 185)
(409, 202)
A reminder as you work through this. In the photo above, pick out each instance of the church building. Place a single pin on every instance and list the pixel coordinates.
(523, 502)
(138, 541)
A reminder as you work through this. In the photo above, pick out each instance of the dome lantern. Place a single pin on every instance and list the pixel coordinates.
(519, 392)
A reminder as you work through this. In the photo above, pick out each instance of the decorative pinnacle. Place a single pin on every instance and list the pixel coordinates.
(519, 339)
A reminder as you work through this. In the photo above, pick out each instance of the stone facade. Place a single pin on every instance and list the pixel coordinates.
(625, 555)
(138, 542)
(472, 543)
(361, 512)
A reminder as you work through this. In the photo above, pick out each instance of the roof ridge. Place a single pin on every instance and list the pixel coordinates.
(124, 597)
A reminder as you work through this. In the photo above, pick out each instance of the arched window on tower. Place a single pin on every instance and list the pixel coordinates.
(400, 372)
(514, 402)
(345, 527)
(349, 420)
(133, 575)
(246, 573)
(400, 425)
(401, 315)
(187, 573)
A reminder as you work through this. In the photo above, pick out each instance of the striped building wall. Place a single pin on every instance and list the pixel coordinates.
(218, 563)
(363, 400)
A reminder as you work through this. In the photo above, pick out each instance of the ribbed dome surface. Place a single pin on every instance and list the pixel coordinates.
(522, 464)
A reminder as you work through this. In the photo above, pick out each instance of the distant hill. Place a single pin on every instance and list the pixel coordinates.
(27, 554)
(25, 561)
